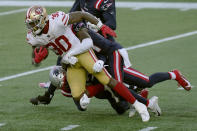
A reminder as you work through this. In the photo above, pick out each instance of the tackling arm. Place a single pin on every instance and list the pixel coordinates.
(86, 43)
(79, 16)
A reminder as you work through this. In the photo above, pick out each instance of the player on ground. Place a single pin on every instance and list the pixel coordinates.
(55, 32)
(58, 80)
(127, 74)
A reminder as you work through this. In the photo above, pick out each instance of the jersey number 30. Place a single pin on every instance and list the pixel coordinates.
(61, 45)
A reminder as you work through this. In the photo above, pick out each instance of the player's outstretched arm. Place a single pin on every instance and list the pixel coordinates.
(46, 98)
(78, 16)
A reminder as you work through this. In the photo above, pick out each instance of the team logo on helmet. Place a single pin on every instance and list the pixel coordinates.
(36, 19)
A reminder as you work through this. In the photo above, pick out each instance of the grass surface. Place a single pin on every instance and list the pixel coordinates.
(134, 27)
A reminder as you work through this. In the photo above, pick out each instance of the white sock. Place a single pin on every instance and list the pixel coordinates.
(173, 76)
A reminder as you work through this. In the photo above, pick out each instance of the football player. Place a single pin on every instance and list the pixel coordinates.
(105, 10)
(117, 57)
(120, 66)
(55, 32)
(58, 80)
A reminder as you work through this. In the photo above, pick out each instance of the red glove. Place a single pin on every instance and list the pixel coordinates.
(106, 30)
(40, 55)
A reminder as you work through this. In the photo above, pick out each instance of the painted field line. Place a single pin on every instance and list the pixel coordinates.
(148, 129)
(162, 40)
(135, 5)
(2, 124)
(25, 73)
(128, 48)
(13, 12)
(69, 127)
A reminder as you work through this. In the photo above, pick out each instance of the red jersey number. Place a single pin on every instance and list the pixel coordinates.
(61, 45)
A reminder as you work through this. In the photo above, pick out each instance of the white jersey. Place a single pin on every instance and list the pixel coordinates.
(60, 37)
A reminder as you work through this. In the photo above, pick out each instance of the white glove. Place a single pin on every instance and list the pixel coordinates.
(84, 101)
(69, 59)
(98, 66)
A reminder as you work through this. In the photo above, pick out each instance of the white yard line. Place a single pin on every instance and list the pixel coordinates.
(69, 127)
(162, 40)
(128, 48)
(25, 73)
(148, 129)
(2, 124)
(42, 3)
(13, 11)
(134, 5)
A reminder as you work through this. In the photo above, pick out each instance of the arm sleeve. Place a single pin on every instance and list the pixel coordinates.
(76, 6)
(31, 40)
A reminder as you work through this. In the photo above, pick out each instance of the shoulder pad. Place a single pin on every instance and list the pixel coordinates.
(60, 17)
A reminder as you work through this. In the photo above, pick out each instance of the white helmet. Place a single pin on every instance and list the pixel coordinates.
(36, 19)
(57, 76)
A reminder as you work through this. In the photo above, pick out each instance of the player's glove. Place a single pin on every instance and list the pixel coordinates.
(45, 99)
(40, 55)
(106, 30)
(98, 66)
(69, 59)
(84, 101)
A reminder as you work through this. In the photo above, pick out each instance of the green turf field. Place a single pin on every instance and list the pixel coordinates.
(134, 27)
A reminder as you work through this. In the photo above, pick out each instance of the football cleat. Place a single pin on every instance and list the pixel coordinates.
(142, 110)
(132, 111)
(153, 105)
(144, 93)
(182, 81)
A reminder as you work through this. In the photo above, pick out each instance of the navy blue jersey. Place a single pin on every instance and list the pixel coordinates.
(103, 9)
(101, 44)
